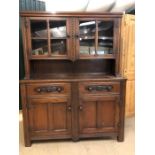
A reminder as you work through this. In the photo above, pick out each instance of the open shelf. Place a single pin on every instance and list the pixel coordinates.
(38, 38)
(97, 56)
(100, 37)
(68, 69)
(58, 38)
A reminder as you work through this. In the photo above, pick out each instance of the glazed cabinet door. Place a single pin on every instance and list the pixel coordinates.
(98, 114)
(48, 38)
(96, 38)
(60, 37)
(49, 116)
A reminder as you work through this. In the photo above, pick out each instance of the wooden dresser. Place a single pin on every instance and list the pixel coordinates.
(73, 88)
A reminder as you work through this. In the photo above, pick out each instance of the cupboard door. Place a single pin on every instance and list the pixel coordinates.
(50, 116)
(98, 114)
(96, 38)
(105, 35)
(60, 37)
(86, 39)
(49, 38)
(38, 37)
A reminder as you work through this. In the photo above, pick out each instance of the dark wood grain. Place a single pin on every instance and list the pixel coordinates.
(25, 115)
(70, 14)
(75, 102)
(69, 67)
(32, 89)
(115, 88)
(120, 136)
(98, 114)
(72, 78)
(49, 116)
(25, 47)
(117, 45)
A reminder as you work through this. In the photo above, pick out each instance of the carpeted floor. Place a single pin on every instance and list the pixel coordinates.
(83, 147)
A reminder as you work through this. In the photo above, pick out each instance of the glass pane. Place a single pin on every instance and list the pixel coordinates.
(39, 37)
(87, 37)
(58, 37)
(58, 46)
(57, 29)
(105, 37)
(38, 29)
(87, 46)
(39, 47)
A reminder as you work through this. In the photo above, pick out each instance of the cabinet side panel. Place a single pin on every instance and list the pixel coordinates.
(25, 115)
(25, 47)
(122, 112)
(117, 33)
(130, 98)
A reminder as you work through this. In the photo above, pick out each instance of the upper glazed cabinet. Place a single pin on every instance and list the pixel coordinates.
(72, 38)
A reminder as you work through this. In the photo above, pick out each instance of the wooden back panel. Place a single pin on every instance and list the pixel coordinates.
(69, 67)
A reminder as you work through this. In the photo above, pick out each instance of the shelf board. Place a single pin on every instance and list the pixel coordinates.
(39, 38)
(58, 38)
(104, 56)
(85, 38)
(100, 37)
(105, 38)
(64, 57)
(46, 57)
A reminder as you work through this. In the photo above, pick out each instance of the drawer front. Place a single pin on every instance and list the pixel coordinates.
(48, 89)
(99, 87)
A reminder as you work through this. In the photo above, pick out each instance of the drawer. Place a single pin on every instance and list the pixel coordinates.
(48, 89)
(99, 87)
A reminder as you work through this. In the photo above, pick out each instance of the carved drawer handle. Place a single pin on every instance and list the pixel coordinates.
(99, 88)
(49, 89)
